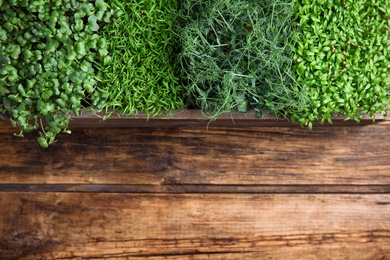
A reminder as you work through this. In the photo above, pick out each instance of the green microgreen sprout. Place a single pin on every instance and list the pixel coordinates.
(344, 58)
(47, 53)
(140, 75)
(236, 55)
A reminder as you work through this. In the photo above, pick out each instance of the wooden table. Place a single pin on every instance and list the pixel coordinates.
(192, 192)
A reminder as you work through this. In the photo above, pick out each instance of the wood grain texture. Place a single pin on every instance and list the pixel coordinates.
(204, 226)
(195, 118)
(196, 193)
(165, 157)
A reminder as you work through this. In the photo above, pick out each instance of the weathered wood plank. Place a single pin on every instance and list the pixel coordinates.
(200, 156)
(195, 118)
(183, 226)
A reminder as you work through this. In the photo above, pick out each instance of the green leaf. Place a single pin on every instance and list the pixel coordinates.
(242, 103)
(88, 87)
(78, 24)
(107, 17)
(43, 142)
(92, 23)
(80, 48)
(99, 15)
(79, 14)
(61, 102)
(101, 5)
(71, 55)
(3, 35)
(47, 94)
(102, 43)
(16, 52)
(310, 125)
(85, 66)
(21, 90)
(103, 52)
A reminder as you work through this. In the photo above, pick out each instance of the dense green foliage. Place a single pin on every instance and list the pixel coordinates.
(342, 57)
(141, 75)
(47, 53)
(236, 55)
(306, 60)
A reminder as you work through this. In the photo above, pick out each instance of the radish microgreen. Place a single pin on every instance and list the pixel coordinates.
(46, 61)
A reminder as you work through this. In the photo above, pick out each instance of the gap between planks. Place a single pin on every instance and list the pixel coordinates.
(205, 189)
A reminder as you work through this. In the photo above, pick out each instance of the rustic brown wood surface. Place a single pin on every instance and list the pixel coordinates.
(66, 225)
(195, 118)
(165, 157)
(195, 193)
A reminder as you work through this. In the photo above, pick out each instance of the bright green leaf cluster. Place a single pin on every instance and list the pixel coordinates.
(342, 57)
(236, 55)
(307, 60)
(140, 76)
(47, 55)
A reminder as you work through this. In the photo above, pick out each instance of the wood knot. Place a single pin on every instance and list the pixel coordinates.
(171, 181)
(17, 244)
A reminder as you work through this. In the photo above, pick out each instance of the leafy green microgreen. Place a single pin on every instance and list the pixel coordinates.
(235, 56)
(45, 63)
(139, 74)
(92, 23)
(349, 75)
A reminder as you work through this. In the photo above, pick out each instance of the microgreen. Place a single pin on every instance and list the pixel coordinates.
(236, 55)
(342, 57)
(46, 59)
(306, 60)
(140, 75)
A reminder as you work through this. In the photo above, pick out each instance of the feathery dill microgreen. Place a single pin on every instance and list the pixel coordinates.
(236, 55)
(140, 75)
(342, 57)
